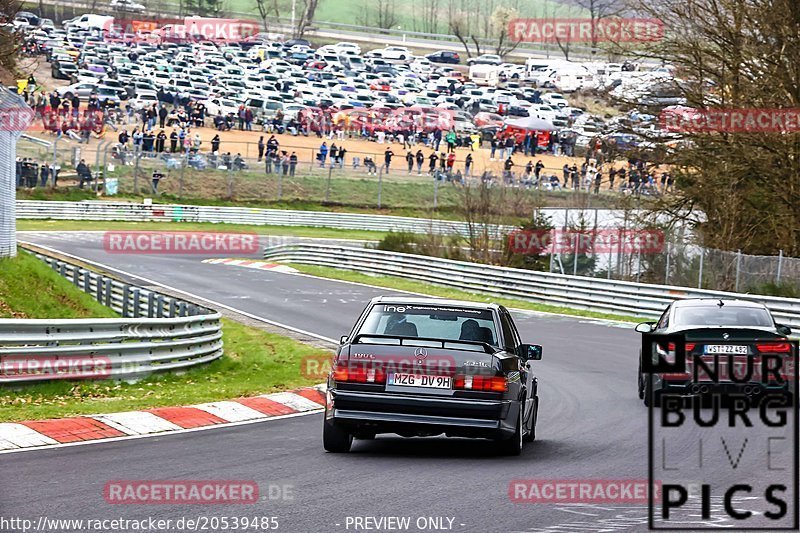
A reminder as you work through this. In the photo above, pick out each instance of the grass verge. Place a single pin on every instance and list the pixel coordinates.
(400, 284)
(105, 225)
(255, 362)
(30, 289)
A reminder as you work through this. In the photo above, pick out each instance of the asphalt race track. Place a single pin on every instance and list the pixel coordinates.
(591, 426)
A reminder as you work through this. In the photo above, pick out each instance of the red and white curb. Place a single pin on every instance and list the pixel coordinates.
(252, 263)
(158, 421)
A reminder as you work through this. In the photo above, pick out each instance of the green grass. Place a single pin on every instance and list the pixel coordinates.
(289, 231)
(255, 362)
(30, 289)
(400, 284)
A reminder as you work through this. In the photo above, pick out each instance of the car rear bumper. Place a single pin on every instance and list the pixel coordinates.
(409, 415)
(690, 388)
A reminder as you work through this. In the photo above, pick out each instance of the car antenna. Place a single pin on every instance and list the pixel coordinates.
(721, 303)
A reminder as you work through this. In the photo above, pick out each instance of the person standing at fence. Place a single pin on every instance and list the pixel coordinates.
(342, 154)
(387, 158)
(268, 162)
(507, 166)
(161, 140)
(285, 162)
(410, 161)
(537, 170)
(432, 159)
(612, 174)
(598, 178)
(493, 146)
(84, 174)
(157, 175)
(292, 164)
(451, 141)
(468, 166)
(215, 142)
(261, 147)
(44, 175)
(323, 153)
(173, 141)
(420, 157)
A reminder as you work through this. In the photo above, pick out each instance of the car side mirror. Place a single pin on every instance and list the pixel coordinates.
(645, 327)
(343, 339)
(530, 352)
(784, 329)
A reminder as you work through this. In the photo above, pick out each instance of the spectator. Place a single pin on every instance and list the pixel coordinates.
(468, 166)
(507, 166)
(323, 154)
(369, 164)
(537, 171)
(451, 161)
(493, 145)
(410, 160)
(387, 158)
(161, 140)
(611, 175)
(157, 175)
(173, 141)
(451, 141)
(44, 173)
(215, 142)
(342, 153)
(261, 147)
(84, 174)
(162, 116)
(420, 157)
(432, 159)
(292, 164)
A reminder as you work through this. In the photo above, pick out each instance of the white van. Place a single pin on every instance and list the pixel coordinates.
(93, 22)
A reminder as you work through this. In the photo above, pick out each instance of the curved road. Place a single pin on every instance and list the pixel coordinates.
(591, 426)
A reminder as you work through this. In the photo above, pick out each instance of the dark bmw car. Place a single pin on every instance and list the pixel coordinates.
(444, 56)
(426, 367)
(733, 339)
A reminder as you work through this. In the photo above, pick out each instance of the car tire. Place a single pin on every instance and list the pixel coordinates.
(513, 446)
(531, 436)
(640, 380)
(655, 396)
(335, 439)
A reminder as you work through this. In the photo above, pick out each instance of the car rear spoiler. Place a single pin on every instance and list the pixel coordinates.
(488, 348)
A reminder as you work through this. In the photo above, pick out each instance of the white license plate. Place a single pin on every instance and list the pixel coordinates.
(736, 349)
(420, 380)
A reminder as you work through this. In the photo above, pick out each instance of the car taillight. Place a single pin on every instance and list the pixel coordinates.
(689, 346)
(481, 383)
(774, 347)
(348, 373)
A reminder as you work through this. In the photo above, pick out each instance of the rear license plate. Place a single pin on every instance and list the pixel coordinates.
(736, 349)
(420, 380)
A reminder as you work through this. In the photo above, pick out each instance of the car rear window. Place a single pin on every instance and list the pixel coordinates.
(729, 315)
(430, 321)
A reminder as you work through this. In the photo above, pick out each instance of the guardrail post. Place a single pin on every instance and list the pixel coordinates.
(108, 292)
(780, 264)
(98, 290)
(87, 282)
(182, 308)
(151, 304)
(136, 302)
(76, 276)
(173, 308)
(62, 269)
(126, 290)
(160, 306)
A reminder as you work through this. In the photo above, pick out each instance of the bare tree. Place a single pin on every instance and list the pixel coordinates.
(309, 9)
(501, 18)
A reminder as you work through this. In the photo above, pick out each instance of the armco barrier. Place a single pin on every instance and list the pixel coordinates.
(94, 210)
(591, 294)
(156, 333)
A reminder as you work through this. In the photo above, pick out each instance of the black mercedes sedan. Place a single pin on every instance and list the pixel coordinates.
(426, 367)
(710, 346)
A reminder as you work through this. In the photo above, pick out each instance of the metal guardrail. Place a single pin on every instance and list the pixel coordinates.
(94, 210)
(590, 294)
(157, 332)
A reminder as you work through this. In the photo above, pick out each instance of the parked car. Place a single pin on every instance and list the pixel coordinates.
(444, 56)
(485, 59)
